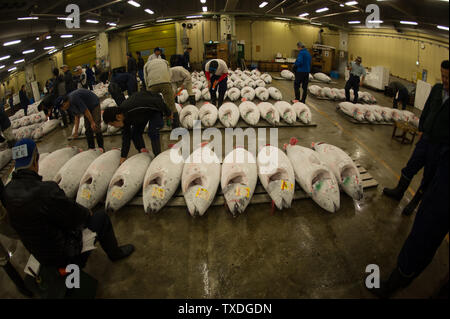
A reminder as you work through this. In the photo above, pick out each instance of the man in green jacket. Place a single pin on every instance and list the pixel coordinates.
(434, 127)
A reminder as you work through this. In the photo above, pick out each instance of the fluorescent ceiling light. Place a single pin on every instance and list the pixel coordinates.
(5, 57)
(66, 35)
(204, 9)
(409, 22)
(12, 69)
(193, 17)
(92, 37)
(285, 19)
(68, 45)
(112, 24)
(351, 3)
(203, 1)
(149, 11)
(28, 51)
(263, 4)
(164, 20)
(48, 37)
(322, 10)
(2, 66)
(11, 42)
(91, 21)
(342, 5)
(303, 15)
(315, 23)
(19, 61)
(354, 22)
(52, 51)
(441, 27)
(134, 3)
(375, 21)
(28, 18)
(49, 48)
(64, 18)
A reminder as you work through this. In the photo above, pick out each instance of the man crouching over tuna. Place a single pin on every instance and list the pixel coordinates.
(49, 224)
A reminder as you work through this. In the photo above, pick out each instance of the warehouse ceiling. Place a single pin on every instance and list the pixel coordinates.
(45, 30)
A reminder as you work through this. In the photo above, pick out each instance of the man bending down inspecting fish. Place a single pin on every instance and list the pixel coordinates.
(216, 72)
(181, 78)
(355, 80)
(49, 224)
(86, 103)
(121, 82)
(133, 115)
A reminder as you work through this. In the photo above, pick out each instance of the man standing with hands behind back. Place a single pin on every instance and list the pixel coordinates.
(355, 80)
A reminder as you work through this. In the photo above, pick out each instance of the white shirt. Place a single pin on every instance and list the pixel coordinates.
(222, 69)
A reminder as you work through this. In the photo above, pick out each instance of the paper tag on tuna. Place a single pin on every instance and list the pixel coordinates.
(158, 192)
(86, 194)
(117, 193)
(286, 186)
(202, 193)
(243, 191)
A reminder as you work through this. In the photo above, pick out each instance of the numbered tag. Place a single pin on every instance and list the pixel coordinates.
(286, 186)
(158, 192)
(202, 193)
(86, 194)
(19, 152)
(243, 191)
(117, 193)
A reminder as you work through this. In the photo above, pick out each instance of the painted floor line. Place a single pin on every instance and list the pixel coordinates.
(372, 153)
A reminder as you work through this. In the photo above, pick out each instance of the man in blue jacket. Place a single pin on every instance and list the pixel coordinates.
(302, 68)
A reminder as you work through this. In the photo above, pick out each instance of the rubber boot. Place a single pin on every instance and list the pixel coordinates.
(395, 282)
(192, 100)
(156, 146)
(398, 192)
(412, 205)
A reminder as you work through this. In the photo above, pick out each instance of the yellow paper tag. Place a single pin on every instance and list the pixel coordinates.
(117, 193)
(86, 194)
(243, 190)
(202, 193)
(158, 192)
(286, 186)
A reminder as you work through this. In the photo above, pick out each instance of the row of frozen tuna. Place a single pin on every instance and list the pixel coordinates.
(92, 175)
(229, 113)
(376, 113)
(28, 120)
(100, 89)
(339, 94)
(319, 76)
(234, 94)
(32, 109)
(109, 129)
(37, 130)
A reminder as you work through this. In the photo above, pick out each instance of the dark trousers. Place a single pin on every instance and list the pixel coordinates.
(431, 223)
(301, 79)
(25, 109)
(352, 83)
(90, 85)
(67, 117)
(96, 116)
(403, 96)
(99, 223)
(141, 76)
(116, 93)
(155, 124)
(222, 87)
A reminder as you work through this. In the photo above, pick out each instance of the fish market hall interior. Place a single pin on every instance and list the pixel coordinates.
(233, 149)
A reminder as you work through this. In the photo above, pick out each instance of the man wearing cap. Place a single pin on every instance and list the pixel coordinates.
(355, 80)
(156, 54)
(49, 224)
(84, 102)
(68, 79)
(302, 68)
(158, 79)
(133, 115)
(216, 72)
(181, 78)
(121, 82)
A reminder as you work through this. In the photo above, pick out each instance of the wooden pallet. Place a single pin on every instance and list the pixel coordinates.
(260, 195)
(352, 120)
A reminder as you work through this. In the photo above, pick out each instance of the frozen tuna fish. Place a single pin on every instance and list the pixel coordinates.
(262, 94)
(269, 113)
(234, 94)
(286, 111)
(208, 114)
(249, 112)
(322, 77)
(248, 93)
(275, 94)
(51, 164)
(303, 112)
(288, 75)
(188, 115)
(229, 114)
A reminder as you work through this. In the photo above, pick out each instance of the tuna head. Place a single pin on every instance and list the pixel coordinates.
(127, 181)
(198, 194)
(238, 185)
(280, 188)
(351, 182)
(325, 190)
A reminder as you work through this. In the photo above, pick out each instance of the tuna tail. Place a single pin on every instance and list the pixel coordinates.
(293, 141)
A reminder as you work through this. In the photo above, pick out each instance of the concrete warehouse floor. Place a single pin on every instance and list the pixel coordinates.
(302, 252)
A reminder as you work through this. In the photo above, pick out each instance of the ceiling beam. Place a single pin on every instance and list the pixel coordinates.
(231, 5)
